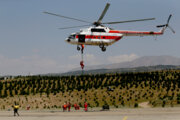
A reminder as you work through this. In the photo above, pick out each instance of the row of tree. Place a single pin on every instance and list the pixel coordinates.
(160, 87)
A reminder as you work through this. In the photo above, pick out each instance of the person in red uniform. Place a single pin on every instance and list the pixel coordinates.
(82, 48)
(85, 107)
(64, 107)
(69, 107)
(75, 106)
(82, 64)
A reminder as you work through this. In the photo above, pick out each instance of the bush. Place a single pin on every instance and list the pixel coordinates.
(164, 103)
(178, 98)
(136, 105)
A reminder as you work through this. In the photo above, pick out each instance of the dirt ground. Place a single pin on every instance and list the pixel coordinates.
(113, 114)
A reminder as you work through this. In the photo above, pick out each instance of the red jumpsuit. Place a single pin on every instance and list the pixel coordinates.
(82, 64)
(85, 107)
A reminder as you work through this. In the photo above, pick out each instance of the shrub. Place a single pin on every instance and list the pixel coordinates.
(136, 105)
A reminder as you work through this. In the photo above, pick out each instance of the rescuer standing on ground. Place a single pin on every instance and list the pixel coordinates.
(16, 107)
(69, 107)
(64, 107)
(85, 107)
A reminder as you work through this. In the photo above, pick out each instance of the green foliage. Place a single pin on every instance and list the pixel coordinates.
(163, 103)
(121, 89)
(136, 105)
(178, 98)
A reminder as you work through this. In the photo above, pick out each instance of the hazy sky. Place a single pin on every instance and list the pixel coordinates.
(30, 41)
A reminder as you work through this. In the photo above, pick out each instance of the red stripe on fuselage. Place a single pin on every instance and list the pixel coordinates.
(101, 37)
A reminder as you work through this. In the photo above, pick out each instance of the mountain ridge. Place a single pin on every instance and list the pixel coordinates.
(141, 64)
(141, 61)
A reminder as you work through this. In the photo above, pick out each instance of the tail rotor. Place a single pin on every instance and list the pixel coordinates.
(167, 24)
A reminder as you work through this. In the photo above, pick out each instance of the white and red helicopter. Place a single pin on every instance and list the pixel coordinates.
(99, 35)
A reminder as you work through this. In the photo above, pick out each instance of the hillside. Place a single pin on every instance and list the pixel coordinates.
(139, 62)
(147, 61)
(120, 70)
(158, 88)
(142, 64)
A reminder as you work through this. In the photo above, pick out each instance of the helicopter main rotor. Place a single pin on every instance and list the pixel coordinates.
(98, 22)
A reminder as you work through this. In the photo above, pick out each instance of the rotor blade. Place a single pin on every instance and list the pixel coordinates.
(104, 12)
(74, 27)
(161, 25)
(171, 29)
(169, 18)
(129, 21)
(66, 17)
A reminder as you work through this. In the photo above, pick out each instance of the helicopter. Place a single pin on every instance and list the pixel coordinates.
(100, 35)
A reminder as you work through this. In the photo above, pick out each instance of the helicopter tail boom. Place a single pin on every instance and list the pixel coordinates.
(137, 33)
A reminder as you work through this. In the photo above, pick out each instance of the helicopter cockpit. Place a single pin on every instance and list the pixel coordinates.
(71, 37)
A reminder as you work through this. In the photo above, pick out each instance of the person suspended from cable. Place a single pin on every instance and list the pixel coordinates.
(82, 48)
(82, 64)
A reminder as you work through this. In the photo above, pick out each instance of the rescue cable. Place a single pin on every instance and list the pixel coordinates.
(82, 61)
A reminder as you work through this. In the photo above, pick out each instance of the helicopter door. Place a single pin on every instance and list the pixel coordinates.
(81, 38)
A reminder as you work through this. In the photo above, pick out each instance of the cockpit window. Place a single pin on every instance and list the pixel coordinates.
(97, 30)
(72, 36)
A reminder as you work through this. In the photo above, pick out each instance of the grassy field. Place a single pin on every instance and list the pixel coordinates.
(159, 88)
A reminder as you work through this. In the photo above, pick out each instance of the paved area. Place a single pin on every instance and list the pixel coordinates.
(114, 114)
